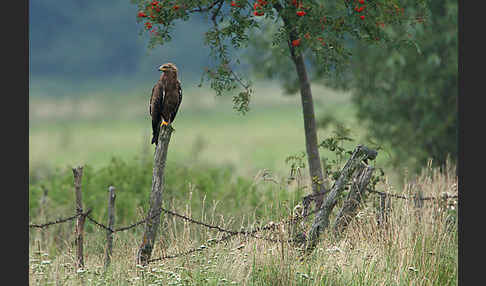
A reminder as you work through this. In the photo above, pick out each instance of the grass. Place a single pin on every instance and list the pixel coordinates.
(417, 247)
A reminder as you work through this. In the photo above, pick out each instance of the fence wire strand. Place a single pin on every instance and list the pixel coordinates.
(230, 233)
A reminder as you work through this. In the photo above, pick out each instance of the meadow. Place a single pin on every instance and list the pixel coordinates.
(216, 172)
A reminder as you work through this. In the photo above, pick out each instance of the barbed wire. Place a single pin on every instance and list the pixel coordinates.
(192, 250)
(61, 220)
(444, 197)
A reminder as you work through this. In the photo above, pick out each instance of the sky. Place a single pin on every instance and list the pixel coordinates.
(77, 45)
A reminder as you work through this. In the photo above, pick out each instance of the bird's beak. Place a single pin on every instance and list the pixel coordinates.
(161, 68)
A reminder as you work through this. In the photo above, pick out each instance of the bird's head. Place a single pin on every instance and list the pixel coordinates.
(168, 67)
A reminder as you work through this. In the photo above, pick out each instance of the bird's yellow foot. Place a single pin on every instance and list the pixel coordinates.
(164, 123)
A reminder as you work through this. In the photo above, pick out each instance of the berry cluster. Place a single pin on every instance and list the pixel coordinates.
(360, 9)
(257, 7)
(152, 12)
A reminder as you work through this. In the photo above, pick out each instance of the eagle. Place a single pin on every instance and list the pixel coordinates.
(165, 99)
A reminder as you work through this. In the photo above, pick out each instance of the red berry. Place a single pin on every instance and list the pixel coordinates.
(362, 17)
(176, 7)
(142, 14)
(301, 13)
(295, 43)
(361, 1)
(256, 13)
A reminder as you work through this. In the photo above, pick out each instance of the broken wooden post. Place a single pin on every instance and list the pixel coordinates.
(78, 174)
(111, 222)
(382, 216)
(418, 202)
(153, 216)
(356, 193)
(321, 222)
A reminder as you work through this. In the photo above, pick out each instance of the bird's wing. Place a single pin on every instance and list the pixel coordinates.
(179, 91)
(150, 101)
(156, 99)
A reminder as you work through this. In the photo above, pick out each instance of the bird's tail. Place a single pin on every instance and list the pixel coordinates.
(155, 138)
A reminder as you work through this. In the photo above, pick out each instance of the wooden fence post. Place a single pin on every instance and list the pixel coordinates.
(382, 218)
(321, 221)
(78, 174)
(43, 214)
(111, 222)
(151, 226)
(356, 193)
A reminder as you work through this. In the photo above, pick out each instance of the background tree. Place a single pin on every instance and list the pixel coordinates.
(407, 98)
(318, 30)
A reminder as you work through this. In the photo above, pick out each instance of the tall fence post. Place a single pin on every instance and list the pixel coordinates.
(151, 226)
(111, 222)
(78, 174)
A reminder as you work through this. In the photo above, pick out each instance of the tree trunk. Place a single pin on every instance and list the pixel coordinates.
(313, 158)
(152, 224)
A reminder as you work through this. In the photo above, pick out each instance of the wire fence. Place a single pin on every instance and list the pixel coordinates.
(294, 219)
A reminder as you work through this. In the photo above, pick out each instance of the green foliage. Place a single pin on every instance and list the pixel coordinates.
(199, 186)
(408, 97)
(277, 29)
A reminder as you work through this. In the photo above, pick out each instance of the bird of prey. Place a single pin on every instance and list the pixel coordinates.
(165, 99)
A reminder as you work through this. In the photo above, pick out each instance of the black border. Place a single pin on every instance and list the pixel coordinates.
(15, 143)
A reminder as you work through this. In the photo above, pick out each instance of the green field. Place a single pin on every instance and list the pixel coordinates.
(65, 132)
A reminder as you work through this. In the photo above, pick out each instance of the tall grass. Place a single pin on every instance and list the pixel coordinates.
(418, 246)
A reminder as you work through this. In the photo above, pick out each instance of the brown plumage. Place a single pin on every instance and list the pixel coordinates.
(165, 99)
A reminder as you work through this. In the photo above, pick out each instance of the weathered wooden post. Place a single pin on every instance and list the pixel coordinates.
(111, 222)
(356, 193)
(43, 214)
(382, 217)
(321, 222)
(78, 174)
(152, 224)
